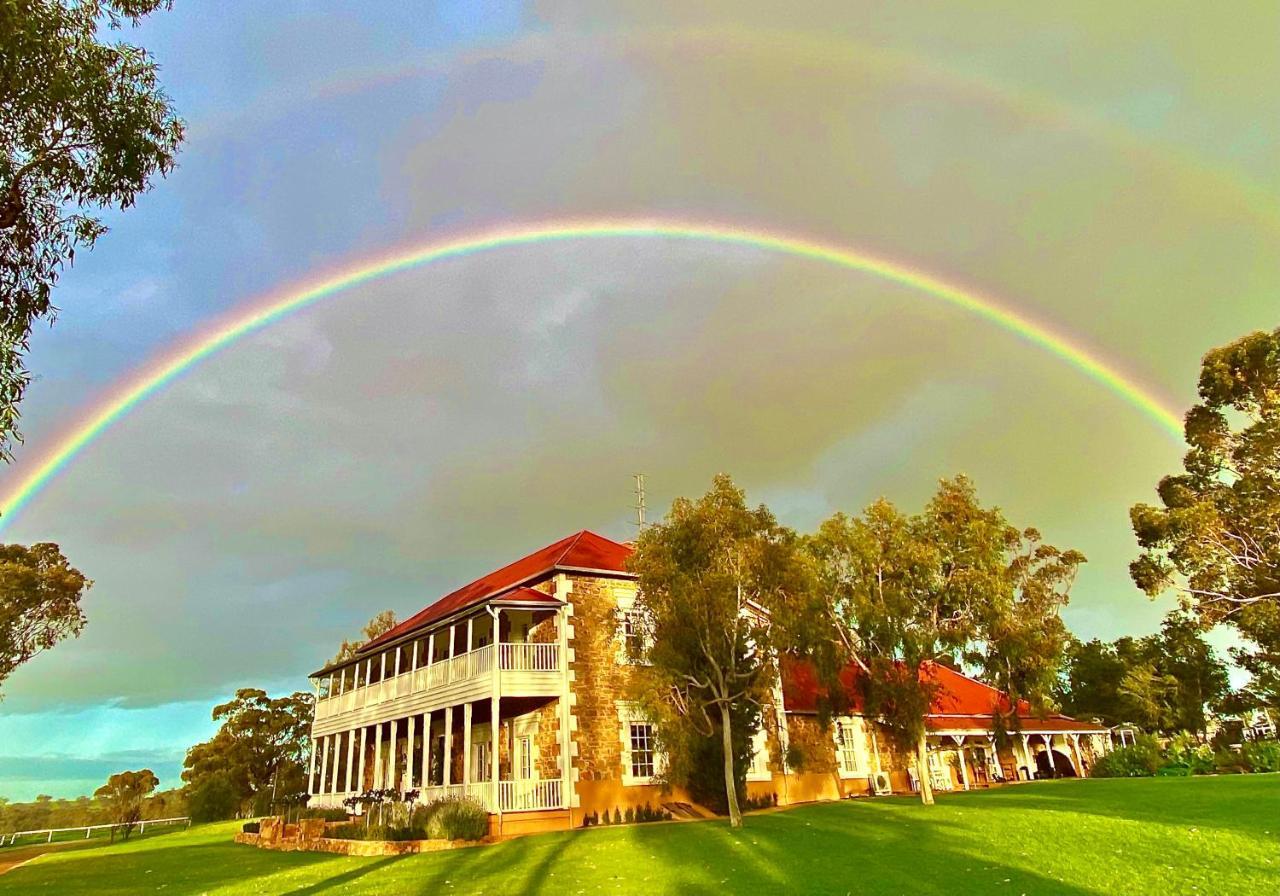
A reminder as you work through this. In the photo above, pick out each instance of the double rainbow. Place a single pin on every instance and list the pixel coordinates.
(279, 304)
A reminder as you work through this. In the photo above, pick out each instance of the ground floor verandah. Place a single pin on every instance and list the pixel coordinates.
(452, 753)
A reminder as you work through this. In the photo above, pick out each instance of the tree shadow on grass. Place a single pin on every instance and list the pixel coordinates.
(837, 849)
(346, 877)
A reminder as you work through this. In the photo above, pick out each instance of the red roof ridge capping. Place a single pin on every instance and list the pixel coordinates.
(583, 550)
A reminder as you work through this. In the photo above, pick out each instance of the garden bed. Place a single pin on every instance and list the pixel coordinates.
(356, 847)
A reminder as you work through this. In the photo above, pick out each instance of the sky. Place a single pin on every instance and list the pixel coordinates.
(1112, 173)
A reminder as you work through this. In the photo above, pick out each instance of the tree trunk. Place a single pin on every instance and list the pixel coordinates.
(922, 772)
(730, 785)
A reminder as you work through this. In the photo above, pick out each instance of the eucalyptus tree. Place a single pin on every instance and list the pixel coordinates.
(84, 126)
(954, 583)
(719, 584)
(1215, 538)
(40, 594)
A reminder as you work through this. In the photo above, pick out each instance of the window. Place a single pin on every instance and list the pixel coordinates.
(847, 734)
(482, 761)
(759, 768)
(641, 750)
(524, 758)
(635, 636)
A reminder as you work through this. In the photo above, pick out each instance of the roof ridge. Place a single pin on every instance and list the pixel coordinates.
(577, 536)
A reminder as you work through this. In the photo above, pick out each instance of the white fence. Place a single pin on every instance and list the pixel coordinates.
(12, 838)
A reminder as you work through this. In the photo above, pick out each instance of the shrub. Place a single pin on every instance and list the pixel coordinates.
(1141, 760)
(1261, 755)
(630, 817)
(251, 827)
(617, 816)
(458, 820)
(1228, 762)
(1186, 751)
(326, 814)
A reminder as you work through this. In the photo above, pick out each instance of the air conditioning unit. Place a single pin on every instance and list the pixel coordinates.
(880, 781)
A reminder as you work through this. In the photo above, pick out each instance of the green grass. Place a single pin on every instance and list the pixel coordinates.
(1166, 835)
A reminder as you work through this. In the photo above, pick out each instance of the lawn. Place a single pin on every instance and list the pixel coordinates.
(1166, 835)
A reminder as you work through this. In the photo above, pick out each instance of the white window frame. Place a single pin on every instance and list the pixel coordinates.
(849, 741)
(628, 615)
(481, 760)
(629, 715)
(524, 757)
(759, 769)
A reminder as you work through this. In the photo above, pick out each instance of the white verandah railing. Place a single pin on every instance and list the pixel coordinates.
(478, 663)
(514, 796)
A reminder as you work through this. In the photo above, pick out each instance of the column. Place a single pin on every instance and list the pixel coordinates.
(494, 728)
(364, 741)
(964, 762)
(1048, 745)
(447, 759)
(337, 741)
(377, 757)
(408, 755)
(426, 749)
(1026, 757)
(311, 772)
(392, 758)
(466, 741)
(324, 765)
(1075, 748)
(566, 738)
(351, 752)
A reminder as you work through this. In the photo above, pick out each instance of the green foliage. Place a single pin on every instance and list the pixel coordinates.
(379, 625)
(212, 797)
(955, 582)
(1261, 755)
(123, 796)
(84, 125)
(721, 585)
(1139, 760)
(328, 814)
(1214, 537)
(39, 601)
(1188, 752)
(260, 750)
(458, 820)
(1162, 682)
(764, 801)
(1072, 837)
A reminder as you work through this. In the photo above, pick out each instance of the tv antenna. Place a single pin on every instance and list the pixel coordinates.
(639, 506)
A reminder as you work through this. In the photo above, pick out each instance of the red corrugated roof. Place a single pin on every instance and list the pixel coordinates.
(524, 594)
(582, 550)
(959, 703)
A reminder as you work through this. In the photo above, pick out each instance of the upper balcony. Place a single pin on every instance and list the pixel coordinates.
(523, 669)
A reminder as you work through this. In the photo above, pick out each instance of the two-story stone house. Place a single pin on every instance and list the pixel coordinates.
(512, 691)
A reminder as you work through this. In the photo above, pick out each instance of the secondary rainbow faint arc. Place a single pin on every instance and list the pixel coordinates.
(280, 303)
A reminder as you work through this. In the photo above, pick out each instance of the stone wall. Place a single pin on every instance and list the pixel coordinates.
(547, 741)
(598, 680)
(811, 744)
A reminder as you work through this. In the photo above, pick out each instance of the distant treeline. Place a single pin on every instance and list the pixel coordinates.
(46, 812)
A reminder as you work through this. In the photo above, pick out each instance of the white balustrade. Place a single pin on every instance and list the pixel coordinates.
(517, 796)
(463, 667)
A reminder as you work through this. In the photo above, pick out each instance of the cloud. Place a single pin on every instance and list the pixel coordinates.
(397, 440)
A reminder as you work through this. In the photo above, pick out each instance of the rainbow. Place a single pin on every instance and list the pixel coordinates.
(279, 304)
